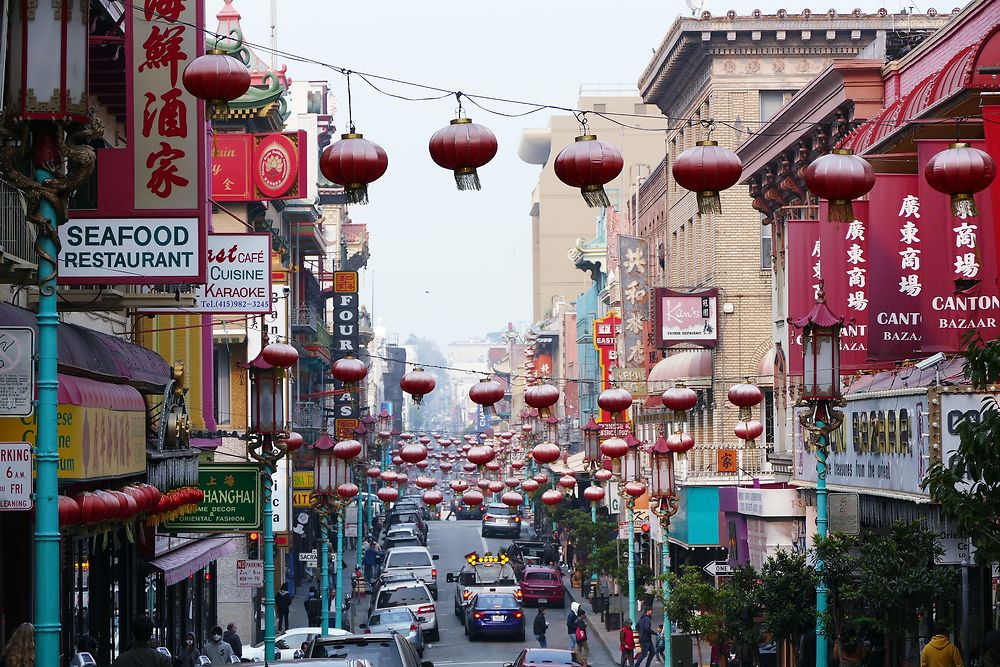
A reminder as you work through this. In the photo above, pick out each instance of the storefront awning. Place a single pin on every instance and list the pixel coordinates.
(181, 563)
(93, 394)
(693, 367)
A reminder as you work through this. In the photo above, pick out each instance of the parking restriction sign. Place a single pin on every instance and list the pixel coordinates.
(15, 476)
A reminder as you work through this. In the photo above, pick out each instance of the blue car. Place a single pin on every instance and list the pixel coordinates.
(491, 614)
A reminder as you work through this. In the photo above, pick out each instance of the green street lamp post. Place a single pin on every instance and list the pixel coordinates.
(821, 396)
(630, 488)
(662, 491)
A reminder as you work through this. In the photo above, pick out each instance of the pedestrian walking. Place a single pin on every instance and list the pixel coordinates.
(283, 602)
(582, 647)
(626, 644)
(219, 652)
(233, 639)
(645, 628)
(20, 650)
(370, 562)
(140, 653)
(540, 627)
(571, 619)
(312, 606)
(940, 652)
(660, 644)
(990, 651)
(188, 655)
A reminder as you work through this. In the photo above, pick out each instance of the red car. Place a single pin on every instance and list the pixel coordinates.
(544, 657)
(542, 586)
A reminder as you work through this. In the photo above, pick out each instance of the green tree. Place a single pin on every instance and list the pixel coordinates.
(693, 604)
(840, 565)
(968, 485)
(739, 610)
(787, 596)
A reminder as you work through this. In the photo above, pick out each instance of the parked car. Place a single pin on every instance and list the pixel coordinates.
(544, 657)
(528, 552)
(417, 561)
(414, 595)
(463, 511)
(496, 614)
(400, 620)
(379, 650)
(401, 537)
(498, 519)
(406, 516)
(542, 586)
(287, 643)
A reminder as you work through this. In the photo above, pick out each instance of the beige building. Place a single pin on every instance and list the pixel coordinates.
(559, 216)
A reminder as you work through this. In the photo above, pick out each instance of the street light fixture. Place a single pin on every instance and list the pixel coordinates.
(629, 489)
(821, 396)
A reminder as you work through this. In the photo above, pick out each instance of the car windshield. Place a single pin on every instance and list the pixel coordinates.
(403, 596)
(408, 559)
(502, 575)
(539, 576)
(390, 617)
(404, 518)
(403, 541)
(499, 510)
(496, 602)
(380, 653)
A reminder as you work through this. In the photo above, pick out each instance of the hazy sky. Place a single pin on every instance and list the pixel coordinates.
(445, 264)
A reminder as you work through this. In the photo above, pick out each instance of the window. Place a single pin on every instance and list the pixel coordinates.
(499, 510)
(765, 246)
(639, 110)
(539, 576)
(223, 400)
(403, 596)
(600, 108)
(771, 102)
(768, 408)
(408, 559)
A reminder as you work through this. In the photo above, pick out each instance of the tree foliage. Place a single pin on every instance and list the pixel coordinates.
(693, 603)
(968, 485)
(787, 595)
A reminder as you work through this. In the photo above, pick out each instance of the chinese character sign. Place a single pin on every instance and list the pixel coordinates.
(634, 277)
(896, 249)
(165, 128)
(345, 334)
(804, 272)
(846, 270)
(606, 330)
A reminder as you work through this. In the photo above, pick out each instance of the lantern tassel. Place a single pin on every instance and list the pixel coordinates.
(709, 202)
(963, 206)
(840, 210)
(467, 180)
(595, 196)
(356, 193)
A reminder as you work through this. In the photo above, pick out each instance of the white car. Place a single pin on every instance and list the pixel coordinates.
(415, 595)
(416, 561)
(287, 643)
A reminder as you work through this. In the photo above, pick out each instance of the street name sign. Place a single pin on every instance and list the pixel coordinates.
(310, 558)
(232, 503)
(17, 371)
(718, 568)
(15, 476)
(249, 573)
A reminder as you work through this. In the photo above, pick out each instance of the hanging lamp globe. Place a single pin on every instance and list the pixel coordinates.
(511, 499)
(745, 395)
(353, 163)
(840, 176)
(588, 164)
(216, 78)
(961, 171)
(552, 497)
(417, 383)
(706, 169)
(463, 147)
(349, 370)
(593, 494)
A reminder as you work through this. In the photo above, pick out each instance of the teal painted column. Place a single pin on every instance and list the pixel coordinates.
(339, 604)
(268, 520)
(821, 522)
(361, 525)
(665, 569)
(46, 537)
(631, 563)
(324, 570)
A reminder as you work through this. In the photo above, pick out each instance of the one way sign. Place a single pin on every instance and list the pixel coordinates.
(718, 568)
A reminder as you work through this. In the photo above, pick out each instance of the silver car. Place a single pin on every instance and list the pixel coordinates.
(415, 596)
(400, 621)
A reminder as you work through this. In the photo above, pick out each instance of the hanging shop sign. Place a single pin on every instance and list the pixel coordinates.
(17, 371)
(302, 479)
(238, 278)
(633, 260)
(232, 503)
(345, 340)
(882, 445)
(281, 499)
(150, 222)
(844, 513)
(682, 317)
(606, 331)
(845, 268)
(254, 167)
(15, 476)
(954, 406)
(546, 350)
(804, 273)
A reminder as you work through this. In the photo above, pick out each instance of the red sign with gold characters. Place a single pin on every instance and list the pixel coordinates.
(252, 167)
(606, 331)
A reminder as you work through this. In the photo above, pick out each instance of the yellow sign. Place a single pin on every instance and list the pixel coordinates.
(301, 498)
(93, 442)
(302, 479)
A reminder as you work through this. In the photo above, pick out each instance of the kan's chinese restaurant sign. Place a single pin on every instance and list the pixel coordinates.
(251, 167)
(150, 224)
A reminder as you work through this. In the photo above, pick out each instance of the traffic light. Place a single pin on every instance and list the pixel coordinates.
(253, 546)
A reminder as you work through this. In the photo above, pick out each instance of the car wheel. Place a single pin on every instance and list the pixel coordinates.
(473, 637)
(458, 610)
(435, 635)
(520, 636)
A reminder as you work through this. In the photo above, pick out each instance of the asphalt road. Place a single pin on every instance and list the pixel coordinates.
(451, 540)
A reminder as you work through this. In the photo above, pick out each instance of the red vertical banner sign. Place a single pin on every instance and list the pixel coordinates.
(959, 265)
(606, 331)
(896, 250)
(846, 269)
(802, 262)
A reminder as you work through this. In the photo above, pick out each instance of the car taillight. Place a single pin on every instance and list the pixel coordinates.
(517, 594)
(518, 614)
(367, 631)
(477, 615)
(487, 517)
(413, 628)
(434, 572)
(466, 595)
(517, 519)
(425, 609)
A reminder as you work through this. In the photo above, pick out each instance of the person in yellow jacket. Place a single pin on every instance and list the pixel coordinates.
(940, 652)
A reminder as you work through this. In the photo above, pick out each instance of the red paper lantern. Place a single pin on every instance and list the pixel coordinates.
(349, 370)
(413, 452)
(541, 478)
(483, 484)
(546, 452)
(481, 454)
(418, 383)
(529, 485)
(458, 485)
(588, 164)
(552, 497)
(69, 511)
(614, 448)
(603, 475)
(679, 399)
(424, 440)
(353, 162)
(512, 483)
(280, 355)
(388, 476)
(422, 465)
(493, 466)
(463, 147)
(840, 176)
(593, 494)
(707, 168)
(745, 395)
(748, 430)
(373, 473)
(567, 481)
(387, 494)
(960, 171)
(446, 466)
(293, 441)
(511, 499)
(614, 400)
(486, 393)
(425, 482)
(432, 497)
(345, 450)
(472, 498)
(679, 442)
(397, 460)
(469, 467)
(347, 490)
(495, 486)
(541, 396)
(634, 489)
(216, 78)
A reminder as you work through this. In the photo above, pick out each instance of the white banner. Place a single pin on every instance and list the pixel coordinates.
(281, 503)
(130, 250)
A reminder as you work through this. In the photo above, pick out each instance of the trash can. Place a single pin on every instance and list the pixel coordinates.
(682, 650)
(613, 620)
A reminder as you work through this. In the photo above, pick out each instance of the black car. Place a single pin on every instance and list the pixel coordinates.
(528, 552)
(498, 519)
(463, 511)
(380, 650)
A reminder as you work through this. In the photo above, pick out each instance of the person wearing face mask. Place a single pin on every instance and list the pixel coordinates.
(187, 655)
(217, 650)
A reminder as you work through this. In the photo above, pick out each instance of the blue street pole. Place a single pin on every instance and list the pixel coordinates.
(339, 604)
(665, 569)
(631, 563)
(360, 530)
(268, 521)
(324, 570)
(46, 536)
(821, 523)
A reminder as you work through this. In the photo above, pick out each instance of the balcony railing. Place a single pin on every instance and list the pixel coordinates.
(17, 235)
(304, 318)
(703, 462)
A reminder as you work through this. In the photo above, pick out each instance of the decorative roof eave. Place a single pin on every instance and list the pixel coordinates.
(588, 258)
